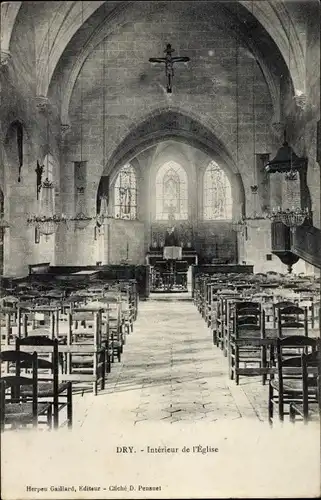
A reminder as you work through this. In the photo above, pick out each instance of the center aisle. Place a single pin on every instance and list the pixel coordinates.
(170, 371)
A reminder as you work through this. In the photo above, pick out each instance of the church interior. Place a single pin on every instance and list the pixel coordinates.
(160, 226)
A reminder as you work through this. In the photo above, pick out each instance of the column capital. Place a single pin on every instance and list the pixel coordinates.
(301, 101)
(278, 128)
(64, 129)
(5, 58)
(42, 104)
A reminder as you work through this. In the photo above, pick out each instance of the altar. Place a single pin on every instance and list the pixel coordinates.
(170, 256)
(152, 256)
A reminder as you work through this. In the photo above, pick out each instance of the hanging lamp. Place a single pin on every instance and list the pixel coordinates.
(289, 165)
(238, 224)
(103, 206)
(254, 187)
(290, 168)
(81, 219)
(46, 220)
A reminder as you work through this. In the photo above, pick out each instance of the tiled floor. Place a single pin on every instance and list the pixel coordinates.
(171, 371)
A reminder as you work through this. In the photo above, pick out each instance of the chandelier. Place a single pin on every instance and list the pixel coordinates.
(81, 219)
(290, 217)
(288, 172)
(47, 220)
(288, 169)
(46, 225)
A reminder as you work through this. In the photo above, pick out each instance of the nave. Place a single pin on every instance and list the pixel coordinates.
(170, 372)
(160, 229)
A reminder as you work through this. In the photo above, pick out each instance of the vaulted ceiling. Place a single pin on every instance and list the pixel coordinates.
(76, 27)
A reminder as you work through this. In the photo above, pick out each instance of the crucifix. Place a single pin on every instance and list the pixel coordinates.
(169, 61)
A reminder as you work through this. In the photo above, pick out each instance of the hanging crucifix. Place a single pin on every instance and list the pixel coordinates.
(169, 61)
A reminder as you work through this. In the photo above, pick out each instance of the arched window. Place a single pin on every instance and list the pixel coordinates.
(126, 193)
(217, 194)
(171, 192)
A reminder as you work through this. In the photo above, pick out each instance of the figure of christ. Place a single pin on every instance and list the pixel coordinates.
(169, 61)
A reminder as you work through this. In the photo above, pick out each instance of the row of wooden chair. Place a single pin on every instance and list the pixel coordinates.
(250, 331)
(30, 385)
(78, 340)
(294, 385)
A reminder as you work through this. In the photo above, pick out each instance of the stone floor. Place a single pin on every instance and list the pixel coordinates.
(171, 371)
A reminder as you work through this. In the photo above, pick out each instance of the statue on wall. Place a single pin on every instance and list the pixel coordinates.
(171, 237)
(39, 171)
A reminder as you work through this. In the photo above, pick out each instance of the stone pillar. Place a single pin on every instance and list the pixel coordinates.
(20, 201)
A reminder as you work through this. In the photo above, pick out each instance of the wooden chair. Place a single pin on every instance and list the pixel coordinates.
(51, 391)
(233, 305)
(17, 411)
(285, 386)
(309, 409)
(116, 332)
(248, 344)
(7, 319)
(85, 349)
(292, 320)
(222, 318)
(38, 320)
(280, 305)
(315, 314)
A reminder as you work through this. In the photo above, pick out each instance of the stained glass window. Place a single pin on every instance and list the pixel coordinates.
(171, 192)
(126, 193)
(217, 194)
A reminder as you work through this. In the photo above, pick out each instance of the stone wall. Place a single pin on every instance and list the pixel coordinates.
(40, 132)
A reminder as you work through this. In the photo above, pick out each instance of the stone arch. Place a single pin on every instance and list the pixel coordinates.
(9, 13)
(172, 123)
(169, 122)
(275, 19)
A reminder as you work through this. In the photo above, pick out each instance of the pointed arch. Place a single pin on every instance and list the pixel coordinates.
(217, 194)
